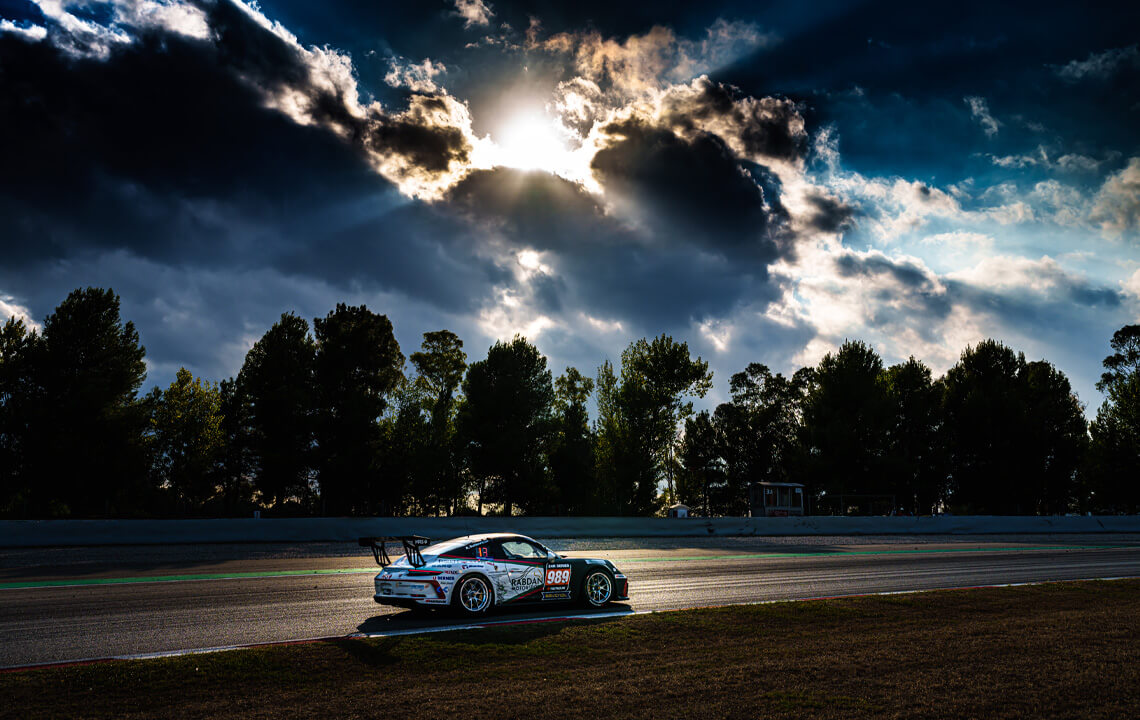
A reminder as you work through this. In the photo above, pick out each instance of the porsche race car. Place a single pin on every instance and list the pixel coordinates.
(477, 573)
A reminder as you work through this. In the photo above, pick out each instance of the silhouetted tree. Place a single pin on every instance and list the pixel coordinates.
(1056, 439)
(984, 427)
(760, 431)
(358, 364)
(440, 364)
(615, 457)
(657, 380)
(505, 421)
(572, 451)
(1123, 364)
(277, 380)
(233, 471)
(188, 439)
(86, 450)
(996, 435)
(405, 431)
(18, 398)
(915, 462)
(1015, 432)
(1113, 471)
(847, 419)
(701, 480)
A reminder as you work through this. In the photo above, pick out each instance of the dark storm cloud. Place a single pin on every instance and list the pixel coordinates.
(158, 169)
(536, 209)
(434, 149)
(262, 58)
(419, 250)
(1065, 309)
(897, 293)
(251, 50)
(911, 294)
(664, 289)
(829, 214)
(693, 188)
(118, 152)
(904, 273)
(166, 147)
(665, 279)
(767, 127)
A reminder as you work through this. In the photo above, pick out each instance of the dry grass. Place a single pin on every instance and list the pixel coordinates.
(1066, 650)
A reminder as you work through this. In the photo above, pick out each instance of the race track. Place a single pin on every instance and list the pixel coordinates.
(58, 605)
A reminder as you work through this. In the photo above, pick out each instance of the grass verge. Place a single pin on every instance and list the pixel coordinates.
(1061, 650)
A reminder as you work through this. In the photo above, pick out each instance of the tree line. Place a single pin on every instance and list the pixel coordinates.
(332, 419)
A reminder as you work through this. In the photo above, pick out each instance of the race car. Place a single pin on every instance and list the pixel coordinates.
(477, 573)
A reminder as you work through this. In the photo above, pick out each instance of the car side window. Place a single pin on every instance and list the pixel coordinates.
(523, 550)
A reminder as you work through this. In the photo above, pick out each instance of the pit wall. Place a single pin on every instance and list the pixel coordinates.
(47, 533)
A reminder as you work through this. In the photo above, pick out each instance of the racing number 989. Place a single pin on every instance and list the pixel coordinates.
(557, 577)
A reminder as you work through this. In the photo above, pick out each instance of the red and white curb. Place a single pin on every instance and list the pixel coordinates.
(525, 621)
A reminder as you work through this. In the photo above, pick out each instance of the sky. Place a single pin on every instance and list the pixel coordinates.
(760, 180)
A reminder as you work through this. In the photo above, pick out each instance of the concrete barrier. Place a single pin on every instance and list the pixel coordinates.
(47, 533)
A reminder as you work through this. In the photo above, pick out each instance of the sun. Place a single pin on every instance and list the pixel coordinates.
(532, 141)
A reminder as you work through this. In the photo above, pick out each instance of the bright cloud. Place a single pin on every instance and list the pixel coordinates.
(981, 112)
(10, 308)
(1116, 206)
(1100, 65)
(474, 12)
(417, 77)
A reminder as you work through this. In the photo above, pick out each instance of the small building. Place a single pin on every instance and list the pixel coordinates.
(775, 499)
(680, 510)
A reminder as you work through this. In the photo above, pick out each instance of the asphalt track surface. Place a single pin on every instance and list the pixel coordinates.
(61, 605)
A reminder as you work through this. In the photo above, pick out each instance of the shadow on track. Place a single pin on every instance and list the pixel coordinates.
(511, 626)
(536, 622)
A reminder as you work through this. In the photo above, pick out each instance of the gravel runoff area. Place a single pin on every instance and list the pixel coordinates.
(1062, 650)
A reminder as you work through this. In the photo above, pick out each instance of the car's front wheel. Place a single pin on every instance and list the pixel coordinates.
(473, 596)
(597, 588)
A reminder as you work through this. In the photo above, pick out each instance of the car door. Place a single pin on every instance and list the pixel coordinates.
(557, 575)
(525, 566)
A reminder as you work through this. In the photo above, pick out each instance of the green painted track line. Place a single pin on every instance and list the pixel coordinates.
(627, 561)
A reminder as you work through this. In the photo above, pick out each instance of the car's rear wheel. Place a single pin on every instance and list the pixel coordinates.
(597, 588)
(473, 595)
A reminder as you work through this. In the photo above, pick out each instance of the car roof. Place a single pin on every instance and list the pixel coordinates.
(485, 536)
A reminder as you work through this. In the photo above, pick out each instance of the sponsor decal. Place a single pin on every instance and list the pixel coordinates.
(557, 577)
(557, 595)
(526, 582)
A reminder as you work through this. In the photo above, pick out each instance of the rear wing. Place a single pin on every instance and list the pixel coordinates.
(411, 543)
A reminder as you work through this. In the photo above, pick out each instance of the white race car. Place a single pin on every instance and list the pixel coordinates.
(476, 573)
